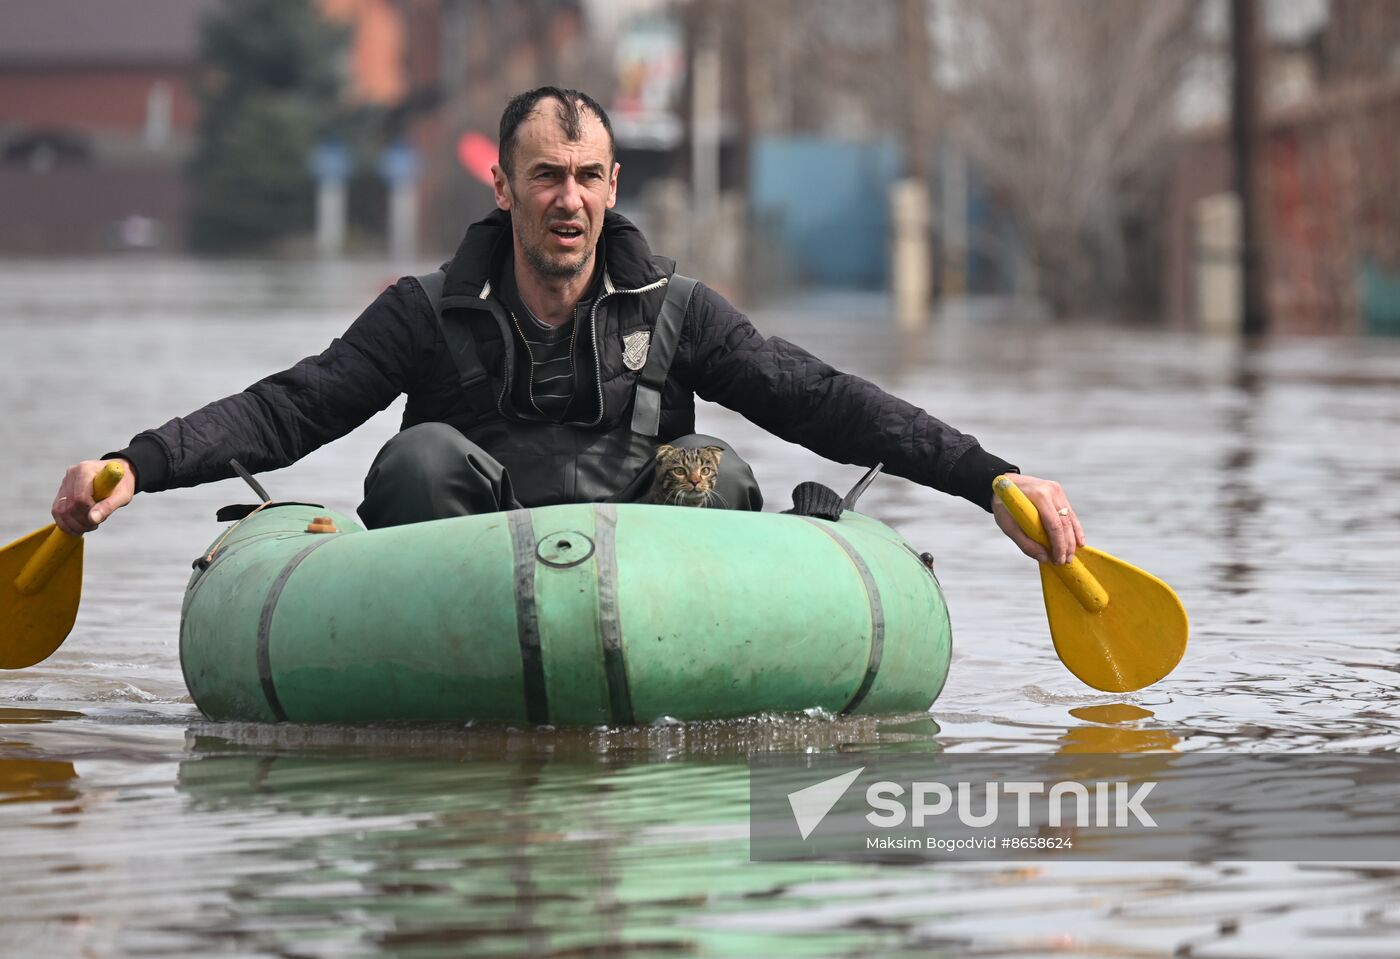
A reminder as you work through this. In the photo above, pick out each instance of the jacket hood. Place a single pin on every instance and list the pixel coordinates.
(630, 263)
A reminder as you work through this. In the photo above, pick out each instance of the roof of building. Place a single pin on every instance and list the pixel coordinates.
(100, 32)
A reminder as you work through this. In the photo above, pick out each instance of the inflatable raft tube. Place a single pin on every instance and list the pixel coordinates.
(592, 614)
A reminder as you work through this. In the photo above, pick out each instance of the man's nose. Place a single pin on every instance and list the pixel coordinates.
(570, 195)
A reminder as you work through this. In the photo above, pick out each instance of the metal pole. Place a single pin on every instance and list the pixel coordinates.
(917, 87)
(911, 267)
(330, 217)
(1244, 136)
(403, 220)
(705, 140)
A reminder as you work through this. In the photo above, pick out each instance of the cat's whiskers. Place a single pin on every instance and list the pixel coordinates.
(686, 477)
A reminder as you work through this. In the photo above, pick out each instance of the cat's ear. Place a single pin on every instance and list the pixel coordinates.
(665, 450)
(718, 451)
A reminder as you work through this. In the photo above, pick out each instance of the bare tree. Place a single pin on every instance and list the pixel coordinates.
(1067, 109)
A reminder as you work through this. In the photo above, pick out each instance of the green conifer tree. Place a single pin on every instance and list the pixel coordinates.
(271, 89)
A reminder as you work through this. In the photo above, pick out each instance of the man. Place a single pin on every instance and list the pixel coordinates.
(545, 364)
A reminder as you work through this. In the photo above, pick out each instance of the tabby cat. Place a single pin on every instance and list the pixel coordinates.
(686, 477)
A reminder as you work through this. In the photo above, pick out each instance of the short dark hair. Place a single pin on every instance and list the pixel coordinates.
(522, 105)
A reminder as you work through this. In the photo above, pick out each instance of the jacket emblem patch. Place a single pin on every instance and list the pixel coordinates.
(635, 347)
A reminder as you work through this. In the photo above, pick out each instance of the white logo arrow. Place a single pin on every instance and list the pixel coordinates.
(810, 805)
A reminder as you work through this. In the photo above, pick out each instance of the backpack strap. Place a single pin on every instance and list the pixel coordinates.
(665, 336)
(476, 383)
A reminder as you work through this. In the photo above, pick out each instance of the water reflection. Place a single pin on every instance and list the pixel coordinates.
(508, 841)
(1115, 729)
(25, 776)
(413, 841)
(1240, 493)
(10, 715)
(34, 780)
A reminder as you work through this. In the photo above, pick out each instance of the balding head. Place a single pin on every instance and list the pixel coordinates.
(568, 105)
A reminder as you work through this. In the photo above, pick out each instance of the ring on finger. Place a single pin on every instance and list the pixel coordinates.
(1063, 510)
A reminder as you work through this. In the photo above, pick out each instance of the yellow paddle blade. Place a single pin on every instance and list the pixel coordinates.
(1136, 639)
(41, 582)
(35, 625)
(1114, 626)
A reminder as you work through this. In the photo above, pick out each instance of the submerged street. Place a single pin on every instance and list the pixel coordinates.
(1261, 484)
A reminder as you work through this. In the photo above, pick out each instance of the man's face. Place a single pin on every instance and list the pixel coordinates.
(558, 192)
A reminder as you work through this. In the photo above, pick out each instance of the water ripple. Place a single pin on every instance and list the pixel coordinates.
(1263, 485)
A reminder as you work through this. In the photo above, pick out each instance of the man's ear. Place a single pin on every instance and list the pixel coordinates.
(500, 183)
(612, 186)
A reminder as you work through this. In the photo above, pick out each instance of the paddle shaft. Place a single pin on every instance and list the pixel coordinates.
(60, 545)
(1074, 574)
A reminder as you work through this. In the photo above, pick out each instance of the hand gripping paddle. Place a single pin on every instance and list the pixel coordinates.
(41, 581)
(1114, 626)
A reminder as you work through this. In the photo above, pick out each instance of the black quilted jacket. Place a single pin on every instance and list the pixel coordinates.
(397, 347)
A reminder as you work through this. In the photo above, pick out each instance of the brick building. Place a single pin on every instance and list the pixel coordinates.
(96, 117)
(1330, 213)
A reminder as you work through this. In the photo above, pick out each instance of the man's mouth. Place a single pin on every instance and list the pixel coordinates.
(566, 231)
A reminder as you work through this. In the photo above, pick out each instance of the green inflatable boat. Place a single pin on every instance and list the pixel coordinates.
(594, 614)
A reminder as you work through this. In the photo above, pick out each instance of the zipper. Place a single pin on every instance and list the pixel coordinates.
(508, 361)
(593, 330)
(593, 335)
(529, 355)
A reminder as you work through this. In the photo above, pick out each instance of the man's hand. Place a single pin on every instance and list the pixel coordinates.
(1056, 516)
(73, 508)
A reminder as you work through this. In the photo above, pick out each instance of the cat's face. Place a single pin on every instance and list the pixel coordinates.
(686, 477)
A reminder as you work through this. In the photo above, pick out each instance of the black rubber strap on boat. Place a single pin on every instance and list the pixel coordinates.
(614, 661)
(877, 615)
(274, 593)
(665, 335)
(527, 619)
(470, 371)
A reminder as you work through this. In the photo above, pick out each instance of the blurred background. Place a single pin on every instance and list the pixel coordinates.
(1218, 165)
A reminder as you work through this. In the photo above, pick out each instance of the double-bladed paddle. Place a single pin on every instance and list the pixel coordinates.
(41, 581)
(1114, 626)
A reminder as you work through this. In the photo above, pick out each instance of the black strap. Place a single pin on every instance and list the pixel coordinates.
(646, 402)
(476, 383)
(432, 284)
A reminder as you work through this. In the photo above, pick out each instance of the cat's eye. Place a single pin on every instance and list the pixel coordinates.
(707, 471)
(678, 471)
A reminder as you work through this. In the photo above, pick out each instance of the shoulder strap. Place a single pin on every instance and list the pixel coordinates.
(475, 381)
(665, 335)
(432, 284)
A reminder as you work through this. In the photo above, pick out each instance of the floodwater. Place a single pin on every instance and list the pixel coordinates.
(1263, 485)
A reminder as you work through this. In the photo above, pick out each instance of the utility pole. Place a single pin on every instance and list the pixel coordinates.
(911, 270)
(917, 81)
(705, 102)
(1244, 138)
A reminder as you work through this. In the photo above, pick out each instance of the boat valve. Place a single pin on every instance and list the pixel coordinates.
(322, 524)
